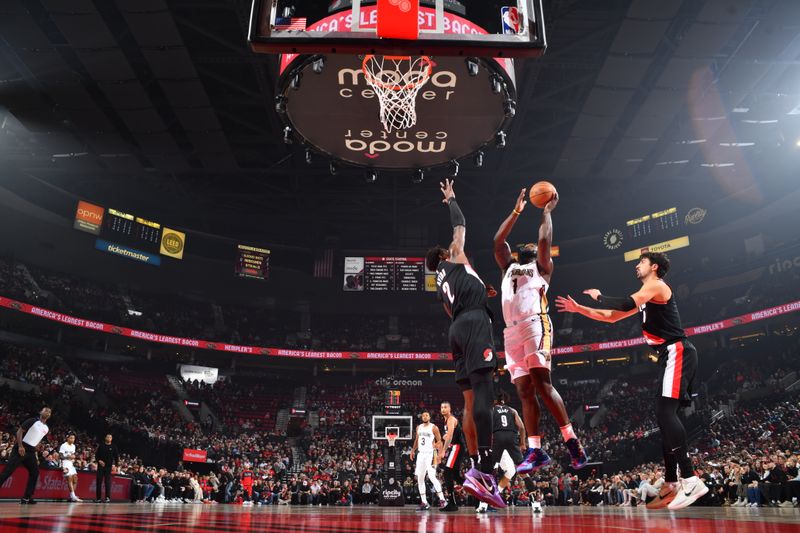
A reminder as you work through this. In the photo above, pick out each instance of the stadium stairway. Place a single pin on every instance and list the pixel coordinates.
(176, 384)
(282, 421)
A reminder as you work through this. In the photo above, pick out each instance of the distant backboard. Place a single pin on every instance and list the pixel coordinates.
(404, 424)
(480, 28)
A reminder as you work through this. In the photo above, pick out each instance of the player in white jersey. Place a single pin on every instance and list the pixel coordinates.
(67, 453)
(529, 333)
(426, 442)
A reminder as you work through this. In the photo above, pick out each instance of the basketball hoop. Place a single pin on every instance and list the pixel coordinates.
(392, 434)
(396, 81)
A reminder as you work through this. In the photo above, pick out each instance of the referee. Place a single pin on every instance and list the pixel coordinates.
(106, 456)
(29, 435)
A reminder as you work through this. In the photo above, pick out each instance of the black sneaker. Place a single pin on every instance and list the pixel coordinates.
(577, 453)
(423, 507)
(449, 508)
(108, 500)
(28, 501)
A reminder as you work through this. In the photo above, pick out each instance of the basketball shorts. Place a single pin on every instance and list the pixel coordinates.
(68, 468)
(452, 458)
(424, 463)
(528, 344)
(506, 442)
(679, 362)
(472, 345)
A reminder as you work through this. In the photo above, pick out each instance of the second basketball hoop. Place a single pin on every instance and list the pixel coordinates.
(396, 81)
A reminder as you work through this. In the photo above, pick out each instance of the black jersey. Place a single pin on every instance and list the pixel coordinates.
(460, 288)
(661, 322)
(504, 419)
(458, 435)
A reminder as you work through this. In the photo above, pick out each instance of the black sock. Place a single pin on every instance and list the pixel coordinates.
(485, 456)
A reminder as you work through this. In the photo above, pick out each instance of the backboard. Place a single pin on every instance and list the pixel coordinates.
(480, 28)
(404, 425)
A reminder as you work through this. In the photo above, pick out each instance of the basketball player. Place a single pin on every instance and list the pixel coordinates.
(529, 334)
(248, 478)
(29, 434)
(426, 442)
(508, 441)
(67, 453)
(451, 454)
(465, 300)
(661, 325)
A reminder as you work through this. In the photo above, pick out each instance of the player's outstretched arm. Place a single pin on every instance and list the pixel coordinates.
(568, 305)
(458, 222)
(649, 291)
(543, 257)
(502, 251)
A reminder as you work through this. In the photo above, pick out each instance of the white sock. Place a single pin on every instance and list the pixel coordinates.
(483, 506)
(535, 442)
(568, 433)
(440, 494)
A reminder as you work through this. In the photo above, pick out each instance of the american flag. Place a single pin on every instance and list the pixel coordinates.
(323, 264)
(284, 24)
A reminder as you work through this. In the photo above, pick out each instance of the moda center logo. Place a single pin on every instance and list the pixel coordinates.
(441, 86)
(335, 110)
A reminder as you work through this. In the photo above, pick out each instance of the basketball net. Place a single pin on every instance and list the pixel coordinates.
(396, 81)
(392, 439)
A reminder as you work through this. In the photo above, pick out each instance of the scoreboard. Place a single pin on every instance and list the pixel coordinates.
(386, 274)
(252, 262)
(125, 228)
(647, 225)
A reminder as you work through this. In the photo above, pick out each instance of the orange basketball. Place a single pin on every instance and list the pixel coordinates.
(541, 193)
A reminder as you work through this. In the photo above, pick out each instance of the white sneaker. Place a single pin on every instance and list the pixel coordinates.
(689, 491)
(787, 503)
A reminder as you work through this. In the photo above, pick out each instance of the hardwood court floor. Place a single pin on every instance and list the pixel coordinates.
(122, 517)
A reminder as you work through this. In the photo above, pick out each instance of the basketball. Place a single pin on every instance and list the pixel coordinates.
(541, 193)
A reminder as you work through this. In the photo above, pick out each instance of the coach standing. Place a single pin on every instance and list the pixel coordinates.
(29, 435)
(106, 456)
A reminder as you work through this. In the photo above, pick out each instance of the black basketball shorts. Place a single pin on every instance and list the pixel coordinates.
(472, 345)
(679, 362)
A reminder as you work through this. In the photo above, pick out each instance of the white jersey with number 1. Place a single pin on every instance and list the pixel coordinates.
(425, 438)
(523, 293)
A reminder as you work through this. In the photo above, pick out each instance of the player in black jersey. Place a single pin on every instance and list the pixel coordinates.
(508, 444)
(451, 454)
(465, 300)
(661, 325)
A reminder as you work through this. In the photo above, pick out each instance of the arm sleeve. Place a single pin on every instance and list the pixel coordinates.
(456, 216)
(617, 303)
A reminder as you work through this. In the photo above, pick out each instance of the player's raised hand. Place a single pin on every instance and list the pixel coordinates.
(447, 190)
(566, 305)
(551, 204)
(521, 201)
(594, 294)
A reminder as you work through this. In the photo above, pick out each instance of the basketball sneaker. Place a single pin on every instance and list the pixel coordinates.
(483, 487)
(451, 507)
(577, 453)
(689, 491)
(423, 507)
(663, 498)
(535, 458)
